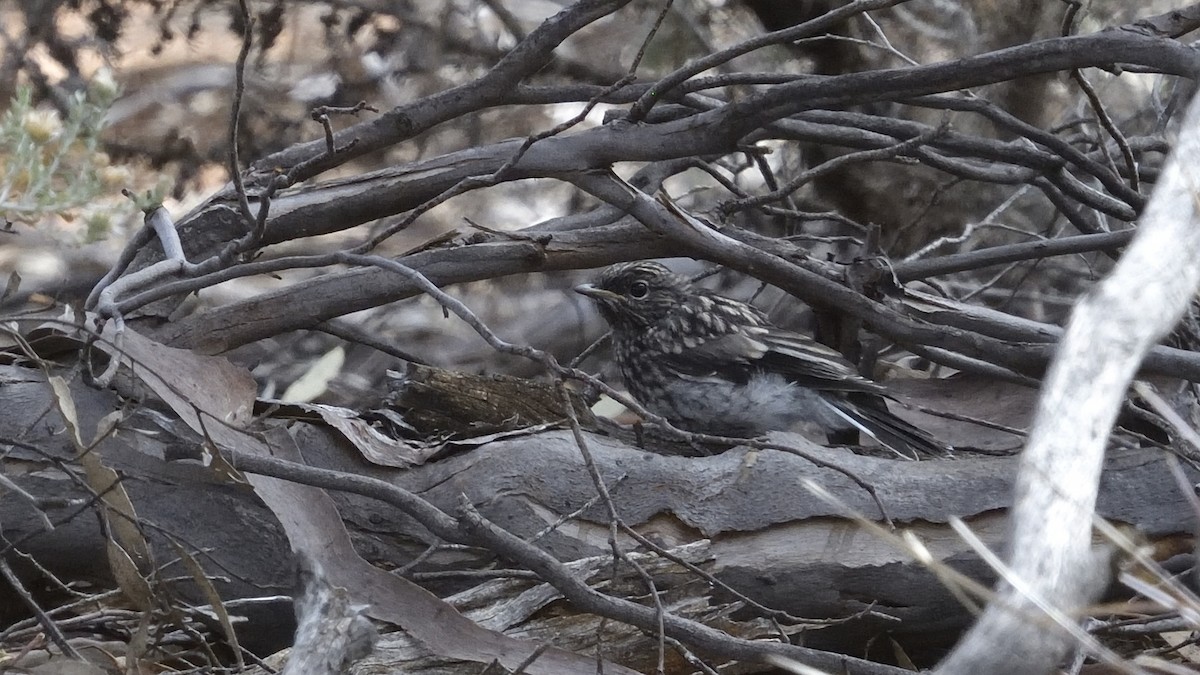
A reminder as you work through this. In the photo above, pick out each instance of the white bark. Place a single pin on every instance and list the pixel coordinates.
(1109, 333)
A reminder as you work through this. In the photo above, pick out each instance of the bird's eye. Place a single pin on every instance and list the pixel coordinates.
(639, 290)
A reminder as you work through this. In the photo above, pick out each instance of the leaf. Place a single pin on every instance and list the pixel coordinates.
(66, 408)
(374, 446)
(123, 519)
(128, 553)
(211, 457)
(129, 579)
(188, 382)
(316, 379)
(315, 529)
(210, 593)
(203, 388)
(383, 450)
(11, 288)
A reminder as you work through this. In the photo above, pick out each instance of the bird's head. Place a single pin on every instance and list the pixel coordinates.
(636, 294)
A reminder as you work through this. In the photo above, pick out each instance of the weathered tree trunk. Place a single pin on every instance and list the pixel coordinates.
(765, 534)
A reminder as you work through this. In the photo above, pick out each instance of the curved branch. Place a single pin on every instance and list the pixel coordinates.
(404, 122)
(998, 255)
(1103, 49)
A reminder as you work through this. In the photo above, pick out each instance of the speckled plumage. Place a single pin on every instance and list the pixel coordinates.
(716, 365)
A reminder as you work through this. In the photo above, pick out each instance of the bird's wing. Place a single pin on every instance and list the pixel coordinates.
(811, 364)
(732, 340)
(736, 354)
(711, 336)
(732, 356)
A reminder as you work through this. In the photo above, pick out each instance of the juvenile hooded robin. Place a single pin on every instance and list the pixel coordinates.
(711, 364)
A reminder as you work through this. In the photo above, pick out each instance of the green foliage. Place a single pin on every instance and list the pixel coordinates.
(55, 167)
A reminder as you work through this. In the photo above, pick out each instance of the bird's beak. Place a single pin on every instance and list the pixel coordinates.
(597, 293)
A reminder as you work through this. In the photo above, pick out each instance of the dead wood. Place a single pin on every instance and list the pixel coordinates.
(446, 402)
(766, 535)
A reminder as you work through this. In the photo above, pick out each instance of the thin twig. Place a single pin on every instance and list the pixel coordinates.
(501, 174)
(665, 86)
(615, 522)
(891, 152)
(1097, 105)
(48, 624)
(351, 333)
(911, 270)
(235, 113)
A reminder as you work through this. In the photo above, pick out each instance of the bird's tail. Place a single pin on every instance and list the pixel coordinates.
(873, 419)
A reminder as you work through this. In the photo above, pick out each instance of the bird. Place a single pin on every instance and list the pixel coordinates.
(714, 365)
